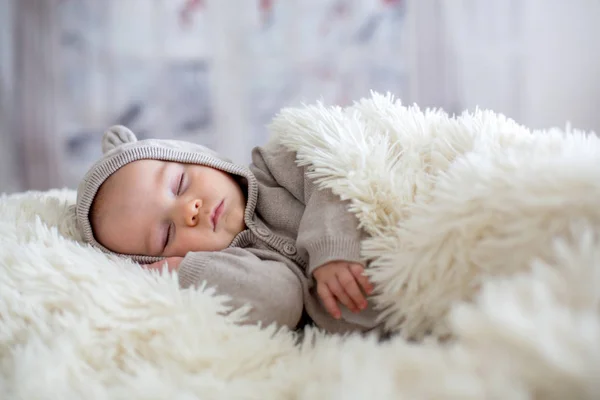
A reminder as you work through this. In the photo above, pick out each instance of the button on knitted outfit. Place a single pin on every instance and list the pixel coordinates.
(292, 228)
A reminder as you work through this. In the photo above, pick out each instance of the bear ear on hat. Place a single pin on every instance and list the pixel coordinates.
(115, 136)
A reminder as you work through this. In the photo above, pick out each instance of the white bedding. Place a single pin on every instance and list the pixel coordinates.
(452, 204)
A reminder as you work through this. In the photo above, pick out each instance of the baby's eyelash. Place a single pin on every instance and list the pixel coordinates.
(180, 185)
(168, 236)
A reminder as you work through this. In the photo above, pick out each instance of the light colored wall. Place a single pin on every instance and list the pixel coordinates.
(9, 173)
(534, 60)
(563, 67)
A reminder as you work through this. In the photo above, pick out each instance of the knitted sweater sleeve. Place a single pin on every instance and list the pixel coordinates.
(241, 275)
(327, 230)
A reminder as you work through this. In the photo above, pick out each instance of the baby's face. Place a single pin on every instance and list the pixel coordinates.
(160, 208)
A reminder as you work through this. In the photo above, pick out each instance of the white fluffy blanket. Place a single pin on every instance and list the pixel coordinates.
(480, 229)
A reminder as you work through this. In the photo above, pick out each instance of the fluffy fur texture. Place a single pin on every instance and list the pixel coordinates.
(449, 202)
(453, 204)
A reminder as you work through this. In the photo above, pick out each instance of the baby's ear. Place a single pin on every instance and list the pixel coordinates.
(115, 136)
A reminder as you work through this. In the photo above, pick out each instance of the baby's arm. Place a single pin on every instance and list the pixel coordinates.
(328, 231)
(270, 287)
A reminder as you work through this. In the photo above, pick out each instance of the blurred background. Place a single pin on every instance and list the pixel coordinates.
(216, 71)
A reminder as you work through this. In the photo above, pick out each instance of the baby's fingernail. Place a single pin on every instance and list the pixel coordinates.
(337, 315)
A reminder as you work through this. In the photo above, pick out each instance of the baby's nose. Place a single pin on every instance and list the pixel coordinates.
(192, 211)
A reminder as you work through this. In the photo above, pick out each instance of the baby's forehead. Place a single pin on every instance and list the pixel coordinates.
(125, 218)
(134, 183)
(140, 167)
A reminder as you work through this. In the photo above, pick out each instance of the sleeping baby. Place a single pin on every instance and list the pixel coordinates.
(264, 235)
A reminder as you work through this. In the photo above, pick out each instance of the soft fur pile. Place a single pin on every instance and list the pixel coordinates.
(452, 204)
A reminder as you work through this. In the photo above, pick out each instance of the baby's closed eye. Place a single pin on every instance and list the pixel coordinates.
(181, 184)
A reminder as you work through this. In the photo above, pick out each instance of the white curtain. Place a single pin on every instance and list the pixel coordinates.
(535, 60)
(208, 71)
(216, 71)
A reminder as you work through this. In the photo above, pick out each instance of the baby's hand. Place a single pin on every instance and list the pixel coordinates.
(339, 280)
(172, 264)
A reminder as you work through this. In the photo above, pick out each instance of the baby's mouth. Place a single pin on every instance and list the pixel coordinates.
(216, 214)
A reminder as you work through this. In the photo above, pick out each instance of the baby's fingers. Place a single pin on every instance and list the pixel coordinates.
(342, 295)
(329, 302)
(172, 264)
(348, 282)
(358, 270)
(155, 265)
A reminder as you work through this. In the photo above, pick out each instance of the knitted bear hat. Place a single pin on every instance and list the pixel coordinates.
(121, 147)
